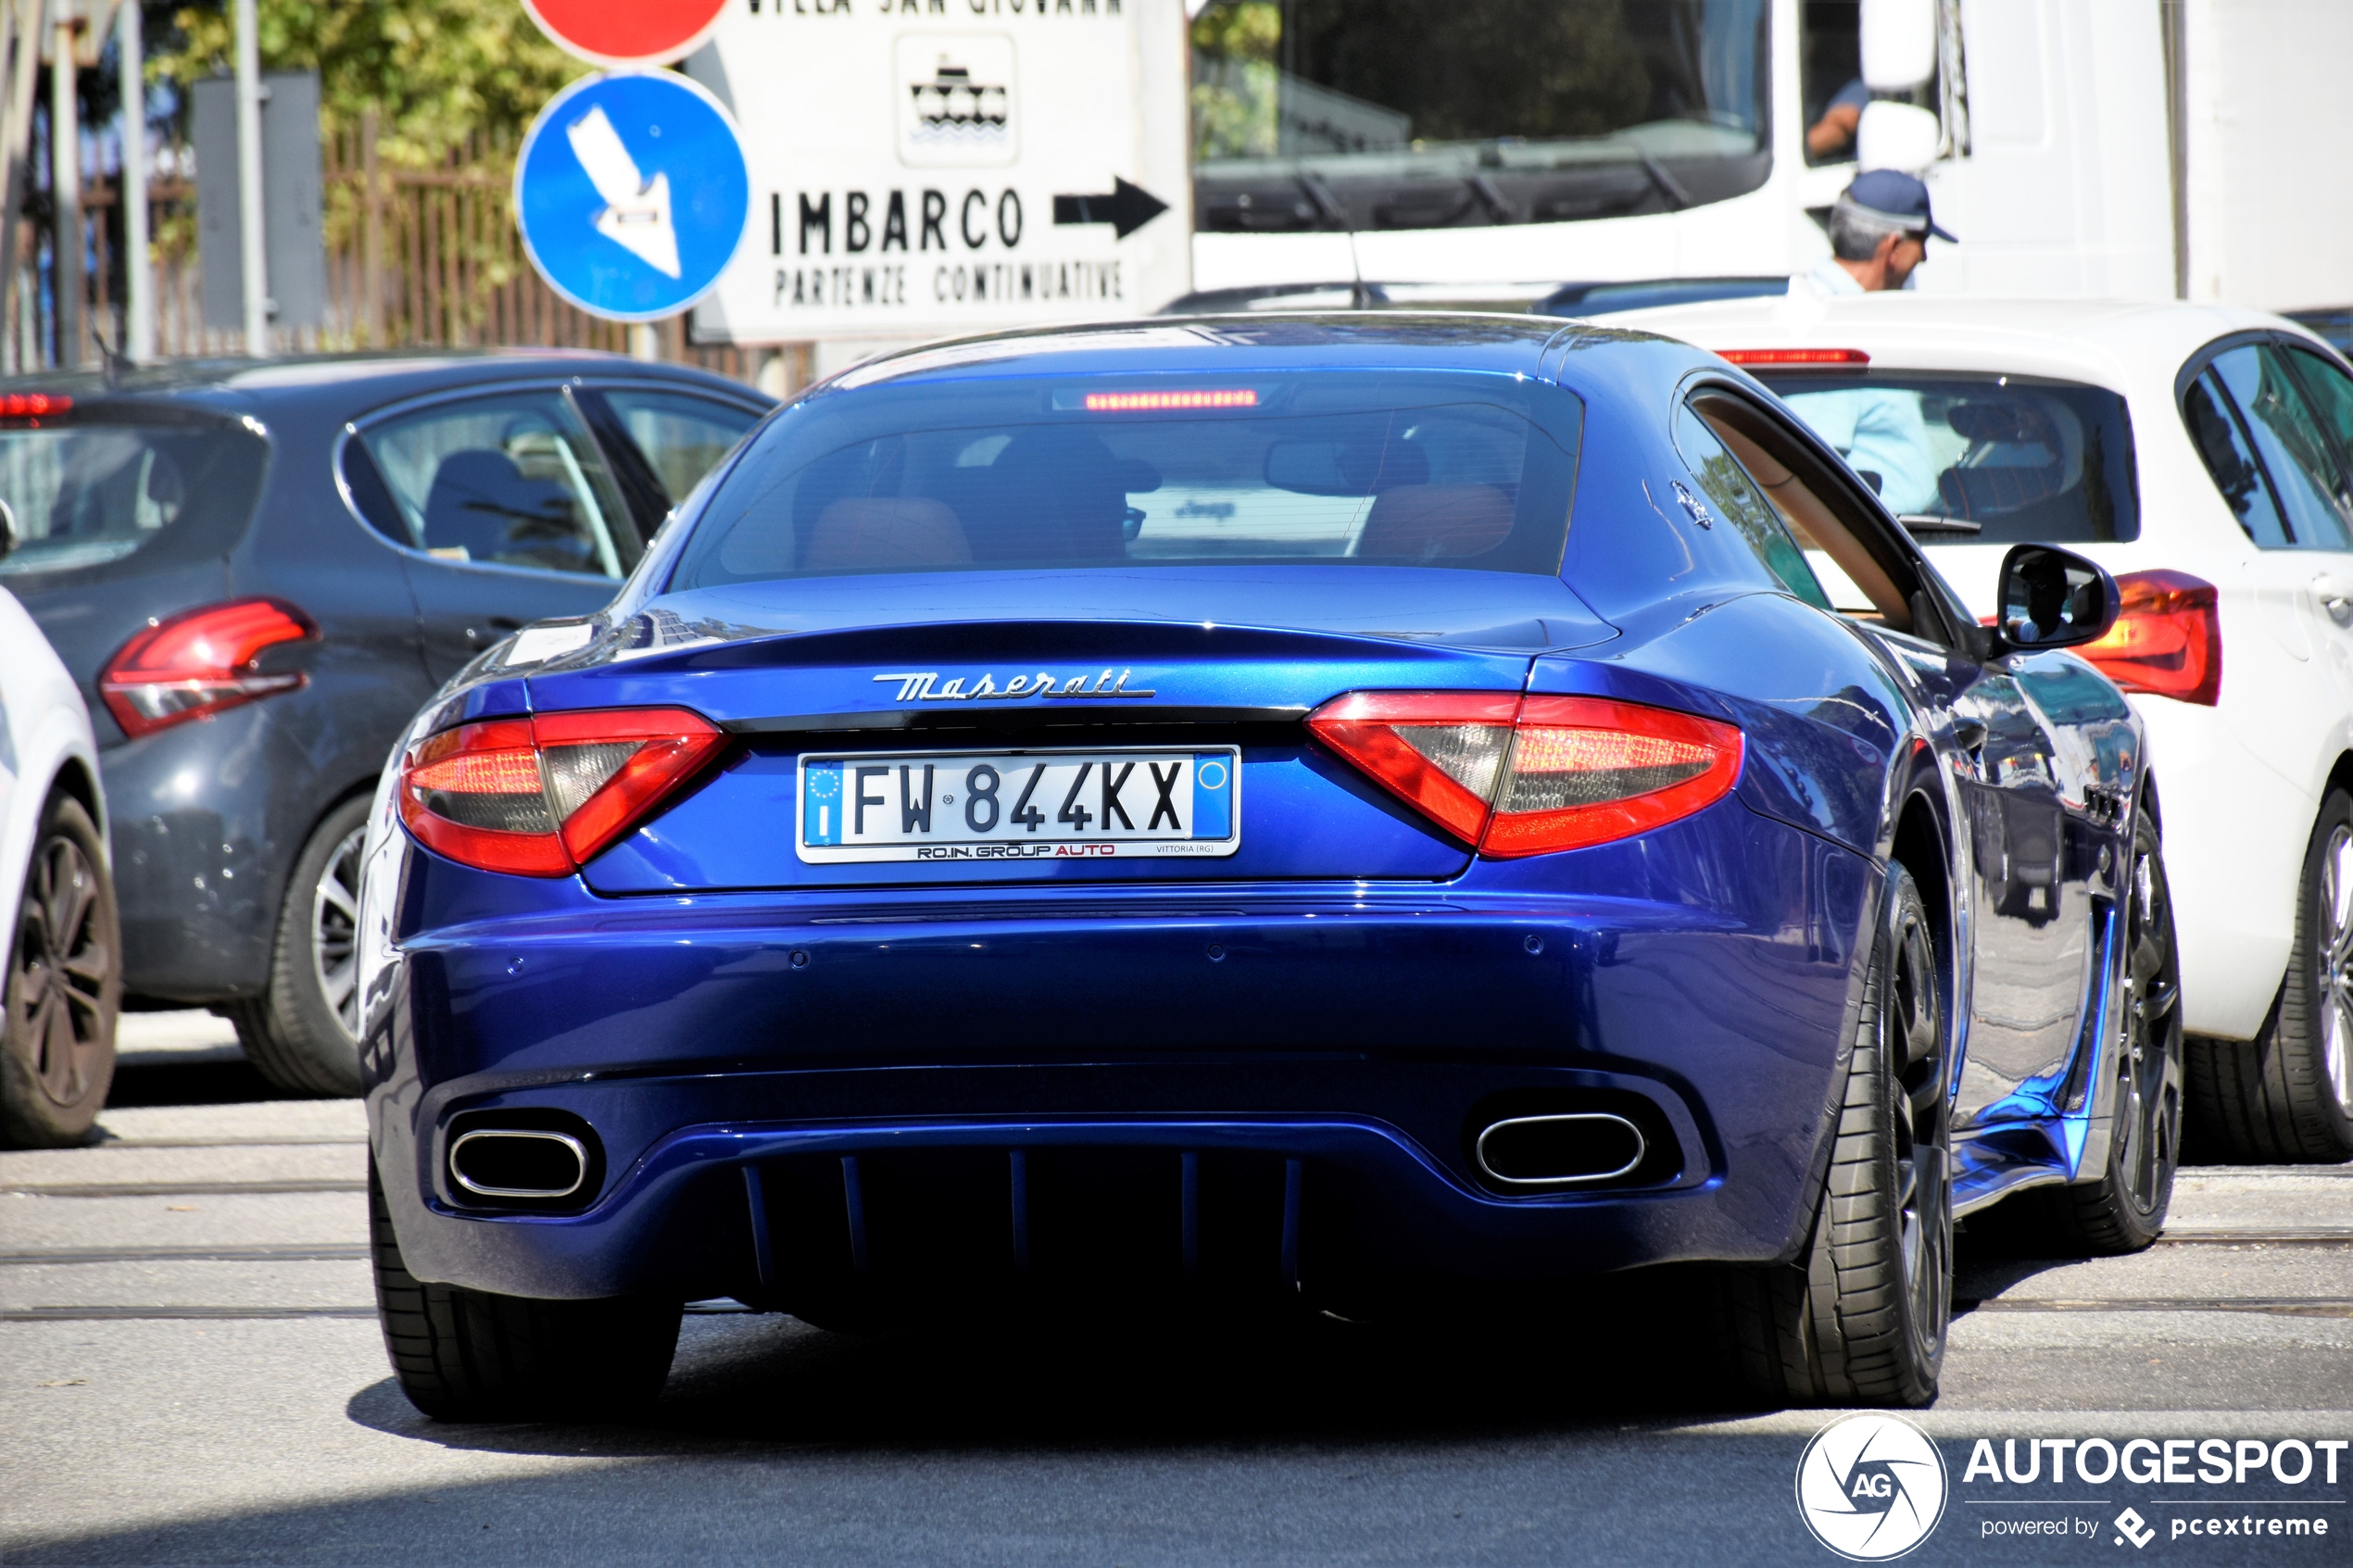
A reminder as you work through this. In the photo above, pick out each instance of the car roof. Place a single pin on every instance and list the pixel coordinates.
(1399, 340)
(2118, 344)
(356, 380)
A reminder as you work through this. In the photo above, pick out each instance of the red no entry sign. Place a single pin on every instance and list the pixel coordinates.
(627, 32)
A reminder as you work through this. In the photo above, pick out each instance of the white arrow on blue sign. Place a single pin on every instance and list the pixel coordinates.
(632, 194)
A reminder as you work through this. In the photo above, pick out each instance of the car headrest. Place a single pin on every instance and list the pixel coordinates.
(1425, 521)
(885, 534)
(479, 497)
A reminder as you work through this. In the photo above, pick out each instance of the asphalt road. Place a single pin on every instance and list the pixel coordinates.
(190, 1373)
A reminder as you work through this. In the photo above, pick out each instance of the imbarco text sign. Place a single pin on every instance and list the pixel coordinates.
(923, 167)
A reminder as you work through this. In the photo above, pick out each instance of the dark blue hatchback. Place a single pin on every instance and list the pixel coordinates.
(258, 570)
(1338, 811)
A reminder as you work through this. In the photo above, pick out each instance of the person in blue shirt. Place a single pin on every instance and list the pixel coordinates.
(1879, 228)
(1834, 133)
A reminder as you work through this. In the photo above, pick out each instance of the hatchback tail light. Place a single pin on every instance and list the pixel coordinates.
(543, 795)
(1514, 776)
(201, 663)
(2167, 639)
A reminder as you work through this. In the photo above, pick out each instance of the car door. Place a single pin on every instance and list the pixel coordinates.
(662, 439)
(2328, 389)
(505, 507)
(2274, 423)
(2034, 817)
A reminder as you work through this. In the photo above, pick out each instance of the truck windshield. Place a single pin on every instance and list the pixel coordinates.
(1412, 113)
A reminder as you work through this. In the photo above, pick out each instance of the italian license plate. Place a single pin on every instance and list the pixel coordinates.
(1040, 805)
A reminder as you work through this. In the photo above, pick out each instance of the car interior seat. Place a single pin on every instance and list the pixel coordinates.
(482, 503)
(885, 534)
(1051, 495)
(1428, 521)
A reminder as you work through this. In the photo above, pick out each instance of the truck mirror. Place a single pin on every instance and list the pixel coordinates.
(1899, 46)
(1896, 136)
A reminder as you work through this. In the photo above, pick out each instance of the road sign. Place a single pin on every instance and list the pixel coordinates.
(627, 32)
(922, 167)
(632, 194)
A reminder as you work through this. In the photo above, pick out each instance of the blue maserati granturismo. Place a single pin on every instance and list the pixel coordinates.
(1312, 812)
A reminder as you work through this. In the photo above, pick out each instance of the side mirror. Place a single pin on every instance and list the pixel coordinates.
(1898, 43)
(1894, 135)
(9, 537)
(2052, 598)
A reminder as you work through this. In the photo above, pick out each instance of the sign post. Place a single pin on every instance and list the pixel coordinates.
(925, 166)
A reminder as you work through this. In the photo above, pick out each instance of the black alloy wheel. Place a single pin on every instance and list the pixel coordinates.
(2288, 1095)
(334, 930)
(1863, 1319)
(64, 986)
(2123, 1209)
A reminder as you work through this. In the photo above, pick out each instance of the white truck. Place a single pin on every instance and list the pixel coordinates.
(2167, 148)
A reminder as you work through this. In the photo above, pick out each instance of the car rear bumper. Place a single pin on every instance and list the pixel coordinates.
(845, 1094)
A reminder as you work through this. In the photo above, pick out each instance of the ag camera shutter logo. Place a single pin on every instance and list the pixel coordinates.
(1872, 1487)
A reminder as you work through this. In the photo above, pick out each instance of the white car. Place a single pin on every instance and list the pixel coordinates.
(2205, 456)
(63, 945)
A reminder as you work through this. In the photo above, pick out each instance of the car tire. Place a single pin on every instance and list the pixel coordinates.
(63, 988)
(302, 1034)
(2287, 1095)
(471, 1355)
(1862, 1320)
(2125, 1210)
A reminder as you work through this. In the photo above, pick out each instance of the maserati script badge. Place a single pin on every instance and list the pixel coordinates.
(923, 685)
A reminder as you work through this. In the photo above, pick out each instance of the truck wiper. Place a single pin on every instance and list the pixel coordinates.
(1668, 186)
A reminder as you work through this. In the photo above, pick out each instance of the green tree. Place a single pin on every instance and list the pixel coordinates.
(435, 70)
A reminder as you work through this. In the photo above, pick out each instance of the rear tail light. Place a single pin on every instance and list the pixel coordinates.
(201, 663)
(542, 796)
(1800, 357)
(2167, 639)
(1516, 776)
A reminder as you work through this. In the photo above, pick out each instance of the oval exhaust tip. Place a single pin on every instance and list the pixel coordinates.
(519, 1162)
(1560, 1150)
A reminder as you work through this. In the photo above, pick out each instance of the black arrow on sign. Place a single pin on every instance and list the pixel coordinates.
(1125, 206)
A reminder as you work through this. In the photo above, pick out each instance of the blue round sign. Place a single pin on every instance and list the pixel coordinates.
(632, 194)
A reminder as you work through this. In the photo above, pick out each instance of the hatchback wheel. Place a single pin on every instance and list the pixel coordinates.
(63, 985)
(303, 1034)
(1863, 1319)
(2288, 1095)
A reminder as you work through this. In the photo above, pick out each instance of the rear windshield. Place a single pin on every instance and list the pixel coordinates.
(1337, 468)
(1981, 460)
(87, 493)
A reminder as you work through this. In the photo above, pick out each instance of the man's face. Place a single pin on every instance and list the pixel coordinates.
(1910, 251)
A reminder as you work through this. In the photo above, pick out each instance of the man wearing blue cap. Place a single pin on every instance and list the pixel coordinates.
(1878, 233)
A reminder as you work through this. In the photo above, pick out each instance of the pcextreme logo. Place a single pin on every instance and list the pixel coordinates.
(1870, 1487)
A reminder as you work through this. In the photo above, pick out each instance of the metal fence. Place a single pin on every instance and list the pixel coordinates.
(416, 258)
